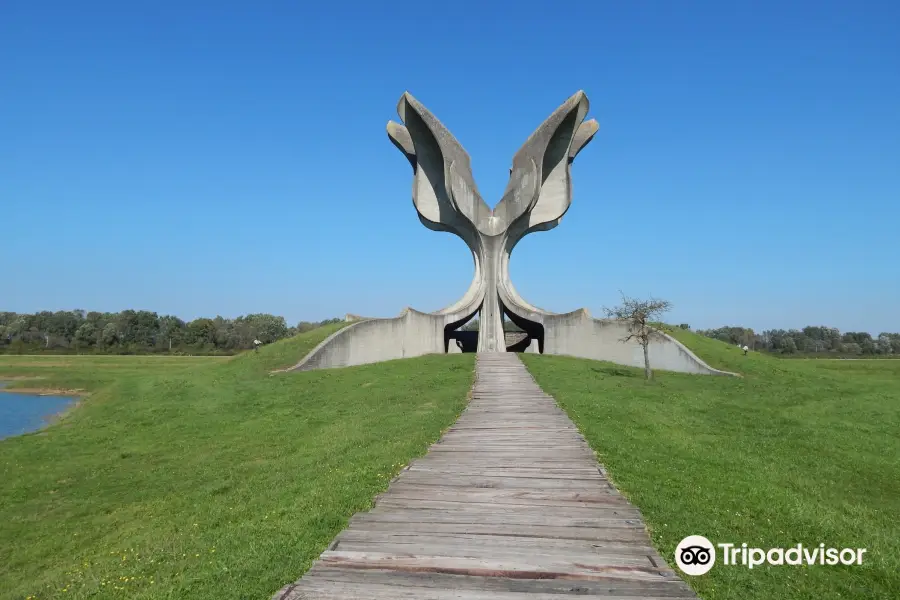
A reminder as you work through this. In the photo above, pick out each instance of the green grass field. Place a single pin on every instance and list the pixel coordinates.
(89, 373)
(794, 452)
(209, 478)
(206, 478)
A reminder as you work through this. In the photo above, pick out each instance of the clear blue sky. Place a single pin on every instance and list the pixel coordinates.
(223, 157)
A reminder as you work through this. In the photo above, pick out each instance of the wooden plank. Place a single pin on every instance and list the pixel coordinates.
(468, 540)
(472, 481)
(604, 496)
(538, 568)
(480, 518)
(371, 591)
(392, 504)
(515, 472)
(634, 532)
(671, 588)
(517, 549)
(419, 550)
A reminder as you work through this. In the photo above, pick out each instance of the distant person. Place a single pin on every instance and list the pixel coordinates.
(256, 344)
(745, 349)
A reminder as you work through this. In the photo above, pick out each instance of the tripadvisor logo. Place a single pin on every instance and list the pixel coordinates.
(696, 555)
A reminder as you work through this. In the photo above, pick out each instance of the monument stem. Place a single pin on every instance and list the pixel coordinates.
(491, 337)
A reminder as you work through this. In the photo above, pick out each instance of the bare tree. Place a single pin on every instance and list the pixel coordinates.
(639, 314)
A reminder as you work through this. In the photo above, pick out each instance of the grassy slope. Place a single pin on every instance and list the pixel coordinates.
(794, 452)
(213, 482)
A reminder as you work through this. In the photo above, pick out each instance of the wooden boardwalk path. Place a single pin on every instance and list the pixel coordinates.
(508, 505)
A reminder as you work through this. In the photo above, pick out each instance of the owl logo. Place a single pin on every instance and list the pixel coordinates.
(695, 555)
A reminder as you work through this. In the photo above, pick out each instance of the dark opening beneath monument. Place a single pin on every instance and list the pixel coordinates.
(464, 338)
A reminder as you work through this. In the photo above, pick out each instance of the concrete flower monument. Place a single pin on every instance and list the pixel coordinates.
(537, 196)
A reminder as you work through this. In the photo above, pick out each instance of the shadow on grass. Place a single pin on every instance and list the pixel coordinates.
(613, 371)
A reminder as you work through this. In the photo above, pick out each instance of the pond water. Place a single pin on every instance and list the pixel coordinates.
(22, 413)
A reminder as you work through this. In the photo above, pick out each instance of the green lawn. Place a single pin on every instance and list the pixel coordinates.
(794, 452)
(209, 478)
(206, 478)
(90, 372)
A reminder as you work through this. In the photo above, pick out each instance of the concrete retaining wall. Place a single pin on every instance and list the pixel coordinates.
(572, 334)
(411, 334)
(578, 334)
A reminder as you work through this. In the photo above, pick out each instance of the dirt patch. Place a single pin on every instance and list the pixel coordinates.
(20, 377)
(37, 391)
(39, 363)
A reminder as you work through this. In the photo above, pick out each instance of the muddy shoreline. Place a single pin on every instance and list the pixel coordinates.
(37, 391)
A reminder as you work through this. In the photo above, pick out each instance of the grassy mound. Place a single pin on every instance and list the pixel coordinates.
(793, 452)
(213, 480)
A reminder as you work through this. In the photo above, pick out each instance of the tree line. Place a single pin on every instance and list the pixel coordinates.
(143, 332)
(812, 340)
(139, 332)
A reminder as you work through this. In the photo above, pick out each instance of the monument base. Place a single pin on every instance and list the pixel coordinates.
(366, 341)
(576, 334)
(580, 335)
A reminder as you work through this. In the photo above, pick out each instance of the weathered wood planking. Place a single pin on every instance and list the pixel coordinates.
(510, 504)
